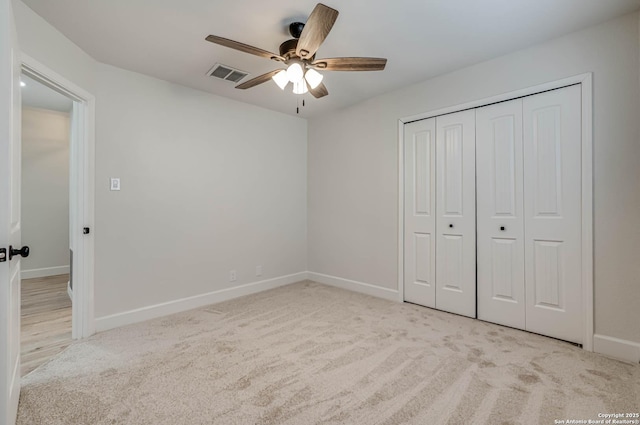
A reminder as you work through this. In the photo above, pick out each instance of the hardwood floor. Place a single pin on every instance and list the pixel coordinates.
(46, 320)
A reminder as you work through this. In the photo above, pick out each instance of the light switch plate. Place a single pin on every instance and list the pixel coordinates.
(115, 183)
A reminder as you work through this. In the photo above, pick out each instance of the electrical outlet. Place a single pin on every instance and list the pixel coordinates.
(258, 270)
(232, 276)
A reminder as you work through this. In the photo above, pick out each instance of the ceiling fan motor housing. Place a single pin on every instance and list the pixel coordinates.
(288, 50)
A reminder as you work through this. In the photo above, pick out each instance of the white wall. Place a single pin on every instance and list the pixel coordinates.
(45, 191)
(353, 164)
(208, 185)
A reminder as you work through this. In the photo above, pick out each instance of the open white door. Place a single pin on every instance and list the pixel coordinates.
(9, 216)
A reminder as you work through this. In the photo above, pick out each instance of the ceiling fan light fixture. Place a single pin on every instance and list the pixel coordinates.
(300, 87)
(295, 72)
(313, 77)
(281, 79)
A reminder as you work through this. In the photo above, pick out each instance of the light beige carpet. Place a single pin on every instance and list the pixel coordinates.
(312, 354)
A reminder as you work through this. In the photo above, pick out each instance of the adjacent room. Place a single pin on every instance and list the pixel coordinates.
(302, 213)
(45, 292)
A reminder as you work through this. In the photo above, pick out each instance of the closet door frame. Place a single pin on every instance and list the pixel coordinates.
(586, 87)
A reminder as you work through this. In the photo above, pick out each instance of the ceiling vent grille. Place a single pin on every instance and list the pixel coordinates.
(228, 73)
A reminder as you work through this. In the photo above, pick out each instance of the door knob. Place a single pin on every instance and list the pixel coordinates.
(23, 252)
(502, 228)
(451, 226)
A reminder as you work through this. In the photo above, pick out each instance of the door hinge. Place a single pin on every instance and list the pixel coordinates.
(3, 255)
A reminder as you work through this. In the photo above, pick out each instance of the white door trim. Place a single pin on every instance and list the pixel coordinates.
(81, 195)
(586, 86)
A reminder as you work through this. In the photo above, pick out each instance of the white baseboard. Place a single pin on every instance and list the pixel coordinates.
(44, 272)
(189, 303)
(355, 286)
(620, 349)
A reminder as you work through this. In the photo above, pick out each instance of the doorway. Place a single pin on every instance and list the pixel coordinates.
(80, 250)
(45, 276)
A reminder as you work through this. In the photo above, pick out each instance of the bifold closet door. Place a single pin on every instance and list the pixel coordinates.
(456, 213)
(500, 220)
(552, 209)
(419, 212)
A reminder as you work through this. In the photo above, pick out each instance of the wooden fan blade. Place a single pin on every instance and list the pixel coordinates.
(316, 30)
(258, 80)
(350, 64)
(243, 47)
(319, 91)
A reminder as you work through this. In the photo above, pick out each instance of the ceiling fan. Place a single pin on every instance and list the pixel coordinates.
(299, 54)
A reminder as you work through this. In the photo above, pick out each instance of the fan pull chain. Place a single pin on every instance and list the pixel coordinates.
(298, 104)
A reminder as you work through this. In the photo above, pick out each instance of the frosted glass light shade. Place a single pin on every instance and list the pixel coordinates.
(300, 87)
(313, 77)
(295, 73)
(281, 79)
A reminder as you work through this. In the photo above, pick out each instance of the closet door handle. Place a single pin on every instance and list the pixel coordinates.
(502, 228)
(451, 226)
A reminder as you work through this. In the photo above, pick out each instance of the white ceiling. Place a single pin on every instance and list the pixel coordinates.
(421, 38)
(37, 95)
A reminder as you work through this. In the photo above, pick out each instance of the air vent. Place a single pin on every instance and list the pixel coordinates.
(225, 72)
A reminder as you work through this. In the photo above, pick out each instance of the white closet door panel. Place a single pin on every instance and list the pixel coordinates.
(552, 183)
(455, 207)
(419, 210)
(500, 220)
